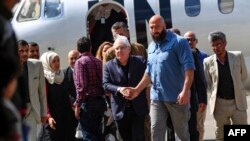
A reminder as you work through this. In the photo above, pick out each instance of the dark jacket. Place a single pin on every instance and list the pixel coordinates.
(68, 76)
(114, 77)
(198, 88)
(202, 93)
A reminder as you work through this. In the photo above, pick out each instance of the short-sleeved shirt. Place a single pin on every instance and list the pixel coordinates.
(166, 66)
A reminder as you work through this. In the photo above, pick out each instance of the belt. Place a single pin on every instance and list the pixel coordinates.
(226, 97)
(91, 98)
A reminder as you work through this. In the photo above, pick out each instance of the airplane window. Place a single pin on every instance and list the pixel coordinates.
(226, 6)
(52, 8)
(192, 7)
(30, 10)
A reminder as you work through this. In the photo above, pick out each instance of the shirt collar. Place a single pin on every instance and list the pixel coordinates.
(226, 59)
(168, 35)
(85, 54)
(118, 62)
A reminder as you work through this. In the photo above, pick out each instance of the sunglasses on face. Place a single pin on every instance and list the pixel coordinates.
(190, 39)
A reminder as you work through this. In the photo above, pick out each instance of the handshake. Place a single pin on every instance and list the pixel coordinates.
(128, 92)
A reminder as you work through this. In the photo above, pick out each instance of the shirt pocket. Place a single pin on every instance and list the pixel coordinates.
(162, 57)
(165, 53)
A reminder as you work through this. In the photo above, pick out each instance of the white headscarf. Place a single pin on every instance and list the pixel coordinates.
(51, 75)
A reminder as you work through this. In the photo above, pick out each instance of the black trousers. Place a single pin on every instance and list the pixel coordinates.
(91, 119)
(131, 126)
(192, 125)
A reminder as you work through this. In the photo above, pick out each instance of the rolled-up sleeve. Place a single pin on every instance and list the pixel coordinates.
(185, 55)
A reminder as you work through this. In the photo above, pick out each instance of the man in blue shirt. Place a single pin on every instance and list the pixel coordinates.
(170, 69)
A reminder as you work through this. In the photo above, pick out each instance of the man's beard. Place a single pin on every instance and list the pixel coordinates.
(161, 37)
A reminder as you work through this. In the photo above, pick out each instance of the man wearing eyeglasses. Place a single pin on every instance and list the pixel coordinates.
(225, 73)
(198, 99)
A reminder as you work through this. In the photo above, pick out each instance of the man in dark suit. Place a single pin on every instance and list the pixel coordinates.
(68, 76)
(68, 73)
(198, 91)
(126, 71)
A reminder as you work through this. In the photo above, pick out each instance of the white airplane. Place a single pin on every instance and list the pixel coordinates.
(58, 24)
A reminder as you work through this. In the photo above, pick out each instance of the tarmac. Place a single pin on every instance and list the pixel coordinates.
(209, 134)
(210, 123)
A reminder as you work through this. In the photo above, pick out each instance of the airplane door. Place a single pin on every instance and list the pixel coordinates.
(100, 20)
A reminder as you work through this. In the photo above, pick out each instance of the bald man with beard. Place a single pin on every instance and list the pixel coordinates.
(170, 69)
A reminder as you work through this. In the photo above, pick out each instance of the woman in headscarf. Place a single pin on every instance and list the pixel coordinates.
(60, 113)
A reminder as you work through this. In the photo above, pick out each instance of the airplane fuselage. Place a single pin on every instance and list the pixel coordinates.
(60, 32)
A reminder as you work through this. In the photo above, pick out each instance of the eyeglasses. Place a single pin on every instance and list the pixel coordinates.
(190, 39)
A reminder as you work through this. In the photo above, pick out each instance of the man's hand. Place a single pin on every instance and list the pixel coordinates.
(128, 92)
(43, 120)
(77, 112)
(202, 107)
(52, 123)
(133, 93)
(183, 98)
(124, 91)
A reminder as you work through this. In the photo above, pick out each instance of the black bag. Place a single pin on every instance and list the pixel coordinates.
(46, 133)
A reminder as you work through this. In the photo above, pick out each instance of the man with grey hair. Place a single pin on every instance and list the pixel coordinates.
(126, 71)
(225, 73)
(120, 28)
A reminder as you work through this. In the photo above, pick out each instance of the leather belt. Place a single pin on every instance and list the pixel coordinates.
(91, 98)
(226, 97)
